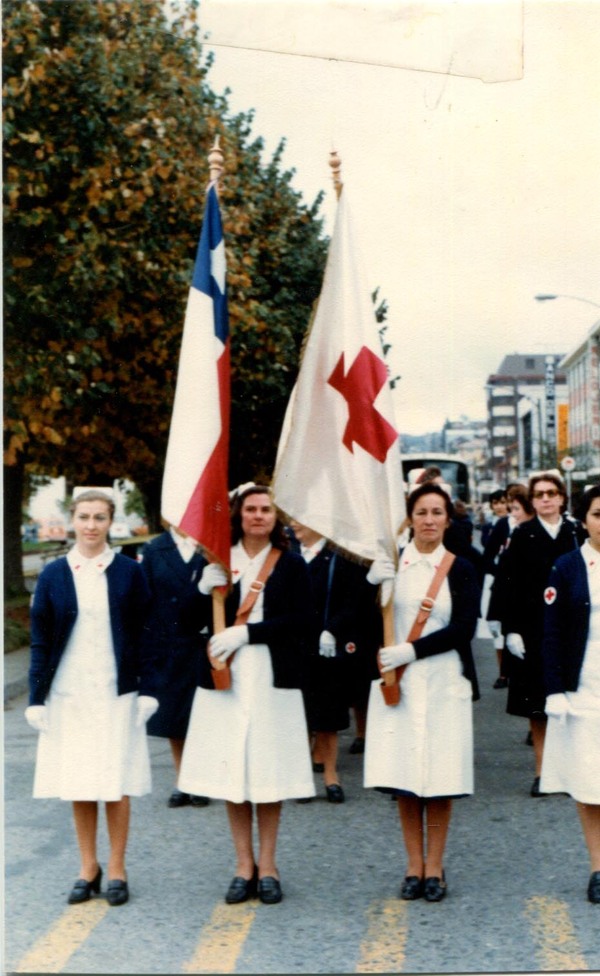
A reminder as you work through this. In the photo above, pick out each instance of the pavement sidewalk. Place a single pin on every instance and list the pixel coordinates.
(16, 666)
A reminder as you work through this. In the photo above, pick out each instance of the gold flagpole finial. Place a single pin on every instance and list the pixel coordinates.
(215, 163)
(336, 166)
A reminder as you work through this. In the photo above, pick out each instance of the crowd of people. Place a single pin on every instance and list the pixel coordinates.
(252, 708)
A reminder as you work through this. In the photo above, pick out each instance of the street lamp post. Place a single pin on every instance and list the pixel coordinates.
(577, 298)
(551, 298)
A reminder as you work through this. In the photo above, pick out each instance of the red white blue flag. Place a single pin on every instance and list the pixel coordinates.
(195, 481)
(338, 469)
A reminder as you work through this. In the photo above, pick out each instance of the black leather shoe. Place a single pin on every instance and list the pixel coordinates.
(335, 793)
(358, 747)
(412, 887)
(500, 683)
(82, 889)
(179, 799)
(269, 891)
(535, 787)
(241, 889)
(593, 891)
(117, 892)
(435, 888)
(199, 801)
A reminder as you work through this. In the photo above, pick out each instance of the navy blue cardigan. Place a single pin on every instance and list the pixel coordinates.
(53, 615)
(287, 620)
(566, 624)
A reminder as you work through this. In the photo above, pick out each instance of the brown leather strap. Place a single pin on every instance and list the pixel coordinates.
(390, 680)
(221, 671)
(256, 587)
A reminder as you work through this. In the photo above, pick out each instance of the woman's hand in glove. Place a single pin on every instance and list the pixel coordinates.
(557, 706)
(37, 717)
(213, 575)
(396, 655)
(327, 644)
(146, 707)
(223, 645)
(515, 645)
(382, 572)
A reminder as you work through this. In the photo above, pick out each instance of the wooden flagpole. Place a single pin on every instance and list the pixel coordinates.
(216, 168)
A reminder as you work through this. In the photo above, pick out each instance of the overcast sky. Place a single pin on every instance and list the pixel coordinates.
(470, 197)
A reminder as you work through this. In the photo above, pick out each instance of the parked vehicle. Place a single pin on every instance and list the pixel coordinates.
(52, 530)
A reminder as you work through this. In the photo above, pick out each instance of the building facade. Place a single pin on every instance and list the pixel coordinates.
(526, 400)
(582, 369)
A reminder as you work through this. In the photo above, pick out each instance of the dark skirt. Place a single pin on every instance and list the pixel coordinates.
(180, 669)
(326, 695)
(526, 694)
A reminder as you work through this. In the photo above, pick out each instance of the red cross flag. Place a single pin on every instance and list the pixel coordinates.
(338, 469)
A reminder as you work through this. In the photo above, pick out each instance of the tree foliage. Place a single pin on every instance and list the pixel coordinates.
(109, 118)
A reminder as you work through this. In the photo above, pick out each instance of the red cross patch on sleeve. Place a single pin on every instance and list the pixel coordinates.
(549, 595)
(350, 647)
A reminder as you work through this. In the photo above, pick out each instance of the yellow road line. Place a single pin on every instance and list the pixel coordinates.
(382, 949)
(552, 929)
(222, 939)
(53, 950)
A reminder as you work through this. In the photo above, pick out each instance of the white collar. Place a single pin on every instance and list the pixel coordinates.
(185, 544)
(551, 528)
(80, 563)
(591, 556)
(411, 556)
(241, 561)
(309, 552)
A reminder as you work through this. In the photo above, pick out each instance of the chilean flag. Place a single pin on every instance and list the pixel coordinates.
(338, 468)
(195, 481)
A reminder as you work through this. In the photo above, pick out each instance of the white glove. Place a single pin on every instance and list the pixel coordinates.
(515, 645)
(558, 706)
(146, 707)
(223, 645)
(327, 643)
(37, 717)
(213, 575)
(382, 571)
(396, 655)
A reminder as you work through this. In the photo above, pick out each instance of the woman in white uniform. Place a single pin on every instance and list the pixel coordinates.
(91, 691)
(421, 750)
(571, 659)
(249, 744)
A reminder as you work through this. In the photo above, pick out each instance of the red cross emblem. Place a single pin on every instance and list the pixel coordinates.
(360, 387)
(350, 647)
(549, 595)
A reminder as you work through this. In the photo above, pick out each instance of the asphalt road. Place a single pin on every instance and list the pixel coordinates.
(517, 872)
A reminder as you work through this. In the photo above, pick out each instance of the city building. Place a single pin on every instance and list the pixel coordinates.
(526, 414)
(582, 370)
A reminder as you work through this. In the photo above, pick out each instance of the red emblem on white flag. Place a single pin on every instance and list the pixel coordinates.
(338, 467)
(360, 387)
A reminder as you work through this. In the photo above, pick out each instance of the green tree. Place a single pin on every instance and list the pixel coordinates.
(108, 121)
